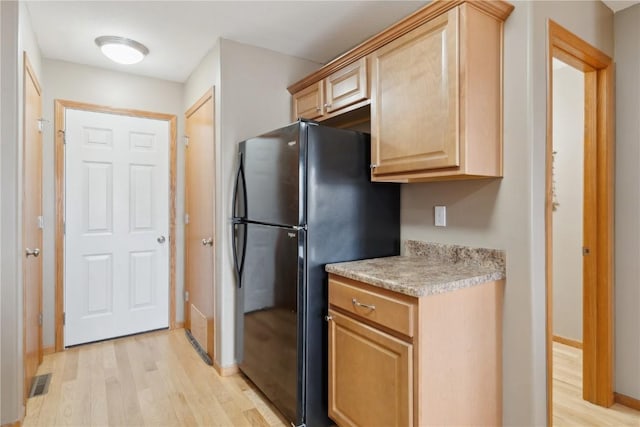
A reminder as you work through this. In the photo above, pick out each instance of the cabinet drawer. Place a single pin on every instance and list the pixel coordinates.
(393, 313)
(347, 86)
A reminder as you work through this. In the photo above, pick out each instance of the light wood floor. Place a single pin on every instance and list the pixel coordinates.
(154, 379)
(568, 407)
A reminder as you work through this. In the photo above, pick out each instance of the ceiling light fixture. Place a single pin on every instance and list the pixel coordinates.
(122, 50)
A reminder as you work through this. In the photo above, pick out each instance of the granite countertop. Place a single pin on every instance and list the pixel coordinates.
(427, 269)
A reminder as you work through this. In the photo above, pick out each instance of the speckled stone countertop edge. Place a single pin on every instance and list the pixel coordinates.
(416, 291)
(445, 268)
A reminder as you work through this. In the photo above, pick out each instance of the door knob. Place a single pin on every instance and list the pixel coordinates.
(161, 239)
(34, 253)
(207, 242)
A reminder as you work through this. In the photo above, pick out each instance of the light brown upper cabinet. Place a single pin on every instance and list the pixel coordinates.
(309, 102)
(435, 92)
(414, 115)
(346, 87)
(436, 109)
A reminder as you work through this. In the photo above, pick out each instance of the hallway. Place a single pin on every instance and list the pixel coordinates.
(568, 407)
(144, 380)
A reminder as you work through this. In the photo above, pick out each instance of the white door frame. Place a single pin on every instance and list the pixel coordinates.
(60, 109)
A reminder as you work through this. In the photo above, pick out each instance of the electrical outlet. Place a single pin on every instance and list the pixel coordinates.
(440, 216)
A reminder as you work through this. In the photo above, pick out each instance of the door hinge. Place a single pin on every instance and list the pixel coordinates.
(186, 141)
(40, 319)
(64, 227)
(186, 296)
(64, 318)
(64, 136)
(41, 222)
(585, 251)
(186, 218)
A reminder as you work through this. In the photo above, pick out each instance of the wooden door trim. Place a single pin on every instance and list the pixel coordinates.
(598, 217)
(59, 112)
(28, 75)
(209, 94)
(199, 103)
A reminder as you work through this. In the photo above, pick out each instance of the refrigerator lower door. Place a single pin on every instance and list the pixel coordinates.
(269, 346)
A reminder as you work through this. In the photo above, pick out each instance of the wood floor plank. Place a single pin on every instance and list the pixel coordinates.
(70, 365)
(154, 379)
(255, 418)
(131, 405)
(49, 409)
(99, 410)
(569, 409)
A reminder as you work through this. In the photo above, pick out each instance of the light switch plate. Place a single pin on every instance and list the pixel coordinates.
(440, 216)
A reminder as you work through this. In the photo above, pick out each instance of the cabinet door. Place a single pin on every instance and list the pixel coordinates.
(347, 86)
(309, 102)
(370, 375)
(414, 99)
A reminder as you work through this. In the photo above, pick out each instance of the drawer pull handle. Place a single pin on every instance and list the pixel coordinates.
(359, 304)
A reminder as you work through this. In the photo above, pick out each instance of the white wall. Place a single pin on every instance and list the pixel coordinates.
(205, 75)
(568, 143)
(627, 208)
(1, 86)
(74, 82)
(251, 98)
(10, 384)
(508, 214)
(17, 37)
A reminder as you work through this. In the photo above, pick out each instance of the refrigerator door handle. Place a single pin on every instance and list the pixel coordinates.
(236, 220)
(238, 263)
(244, 252)
(239, 176)
(234, 248)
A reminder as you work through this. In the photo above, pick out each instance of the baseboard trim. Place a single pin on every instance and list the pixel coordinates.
(48, 350)
(568, 341)
(627, 401)
(225, 371)
(13, 424)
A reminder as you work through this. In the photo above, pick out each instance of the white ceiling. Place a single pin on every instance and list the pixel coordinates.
(179, 33)
(617, 5)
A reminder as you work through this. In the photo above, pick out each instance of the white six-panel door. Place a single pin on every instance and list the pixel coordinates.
(117, 225)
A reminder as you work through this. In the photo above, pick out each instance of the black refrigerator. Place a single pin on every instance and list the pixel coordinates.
(303, 198)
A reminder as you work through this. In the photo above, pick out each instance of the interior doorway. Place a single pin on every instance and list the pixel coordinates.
(32, 226)
(596, 201)
(199, 223)
(127, 140)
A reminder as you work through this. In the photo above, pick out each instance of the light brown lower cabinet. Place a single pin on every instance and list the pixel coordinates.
(397, 360)
(368, 366)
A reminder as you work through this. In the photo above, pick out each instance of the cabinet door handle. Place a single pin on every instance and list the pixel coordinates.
(328, 318)
(359, 304)
(318, 109)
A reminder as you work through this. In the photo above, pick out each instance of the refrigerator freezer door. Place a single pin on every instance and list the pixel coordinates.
(272, 170)
(268, 320)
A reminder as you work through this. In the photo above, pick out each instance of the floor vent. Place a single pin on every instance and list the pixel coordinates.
(203, 354)
(40, 385)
